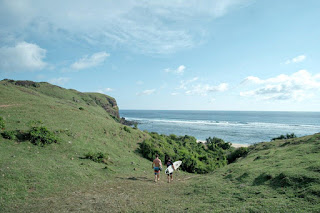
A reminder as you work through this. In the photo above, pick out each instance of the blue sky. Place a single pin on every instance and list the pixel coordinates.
(183, 55)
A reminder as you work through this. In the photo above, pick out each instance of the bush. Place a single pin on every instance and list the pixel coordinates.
(282, 137)
(11, 135)
(127, 129)
(214, 142)
(240, 152)
(81, 108)
(195, 157)
(2, 125)
(98, 157)
(41, 136)
(135, 126)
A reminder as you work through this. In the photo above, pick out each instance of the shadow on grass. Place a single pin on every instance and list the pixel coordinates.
(136, 179)
(262, 179)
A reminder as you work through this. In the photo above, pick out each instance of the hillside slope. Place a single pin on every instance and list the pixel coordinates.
(84, 122)
(279, 176)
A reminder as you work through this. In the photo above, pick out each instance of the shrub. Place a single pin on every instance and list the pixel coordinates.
(27, 83)
(214, 142)
(282, 137)
(41, 136)
(81, 108)
(11, 135)
(127, 129)
(135, 126)
(195, 157)
(240, 152)
(2, 125)
(98, 157)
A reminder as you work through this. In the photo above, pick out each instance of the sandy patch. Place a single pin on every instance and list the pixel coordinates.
(235, 145)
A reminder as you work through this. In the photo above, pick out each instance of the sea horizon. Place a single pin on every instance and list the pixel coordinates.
(214, 110)
(241, 127)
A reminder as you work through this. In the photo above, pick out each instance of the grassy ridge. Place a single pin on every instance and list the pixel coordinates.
(28, 170)
(278, 176)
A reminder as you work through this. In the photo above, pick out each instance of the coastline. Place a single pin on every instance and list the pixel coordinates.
(235, 145)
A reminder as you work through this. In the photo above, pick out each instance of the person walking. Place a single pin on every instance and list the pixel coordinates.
(170, 163)
(157, 166)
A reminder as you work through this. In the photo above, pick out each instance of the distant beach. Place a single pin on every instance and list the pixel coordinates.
(235, 145)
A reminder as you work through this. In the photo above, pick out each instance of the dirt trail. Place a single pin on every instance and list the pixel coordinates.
(9, 105)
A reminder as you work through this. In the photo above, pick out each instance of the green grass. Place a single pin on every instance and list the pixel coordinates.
(278, 176)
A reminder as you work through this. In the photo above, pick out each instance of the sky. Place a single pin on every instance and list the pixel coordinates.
(248, 55)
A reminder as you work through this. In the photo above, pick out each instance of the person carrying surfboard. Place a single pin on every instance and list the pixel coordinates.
(157, 166)
(169, 163)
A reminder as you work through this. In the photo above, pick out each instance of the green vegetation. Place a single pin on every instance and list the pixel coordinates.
(282, 137)
(277, 176)
(38, 135)
(98, 157)
(214, 143)
(2, 125)
(41, 136)
(196, 157)
(127, 129)
(11, 135)
(237, 153)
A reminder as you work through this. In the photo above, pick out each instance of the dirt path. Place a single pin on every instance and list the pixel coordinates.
(9, 105)
(137, 193)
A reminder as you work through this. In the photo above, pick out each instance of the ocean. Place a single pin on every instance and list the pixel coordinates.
(232, 126)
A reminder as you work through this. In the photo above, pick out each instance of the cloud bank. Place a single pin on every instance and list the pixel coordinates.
(90, 61)
(146, 92)
(158, 27)
(190, 87)
(105, 90)
(22, 57)
(297, 59)
(298, 86)
(59, 81)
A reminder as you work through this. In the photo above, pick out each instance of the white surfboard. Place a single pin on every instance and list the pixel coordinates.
(176, 166)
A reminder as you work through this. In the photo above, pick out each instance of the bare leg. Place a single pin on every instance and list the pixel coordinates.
(168, 179)
(158, 176)
(155, 178)
(171, 176)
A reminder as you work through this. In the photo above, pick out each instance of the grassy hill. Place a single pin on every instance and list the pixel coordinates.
(279, 176)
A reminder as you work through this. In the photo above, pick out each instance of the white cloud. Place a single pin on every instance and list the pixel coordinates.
(191, 88)
(179, 70)
(145, 26)
(90, 61)
(22, 57)
(204, 89)
(174, 93)
(59, 81)
(297, 59)
(146, 92)
(105, 90)
(298, 86)
(185, 83)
